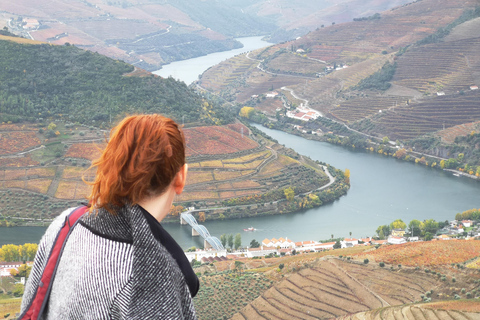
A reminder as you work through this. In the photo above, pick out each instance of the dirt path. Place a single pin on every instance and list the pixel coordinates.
(55, 182)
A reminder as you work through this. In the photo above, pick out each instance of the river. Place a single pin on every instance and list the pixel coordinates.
(382, 189)
(189, 70)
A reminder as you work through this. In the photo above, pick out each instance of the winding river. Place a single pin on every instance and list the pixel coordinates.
(382, 189)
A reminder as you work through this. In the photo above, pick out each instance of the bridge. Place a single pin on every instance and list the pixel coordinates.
(200, 230)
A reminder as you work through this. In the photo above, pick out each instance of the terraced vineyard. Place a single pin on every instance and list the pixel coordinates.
(359, 108)
(291, 63)
(335, 288)
(440, 66)
(434, 311)
(219, 77)
(224, 163)
(449, 135)
(414, 120)
(426, 254)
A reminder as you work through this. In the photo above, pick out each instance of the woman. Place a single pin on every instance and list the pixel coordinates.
(119, 263)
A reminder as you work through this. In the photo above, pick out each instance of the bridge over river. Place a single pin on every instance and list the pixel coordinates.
(200, 230)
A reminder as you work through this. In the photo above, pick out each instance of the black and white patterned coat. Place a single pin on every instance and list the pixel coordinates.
(112, 267)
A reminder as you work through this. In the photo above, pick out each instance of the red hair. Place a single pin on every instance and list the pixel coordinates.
(142, 157)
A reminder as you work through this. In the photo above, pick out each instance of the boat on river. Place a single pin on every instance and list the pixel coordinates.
(250, 229)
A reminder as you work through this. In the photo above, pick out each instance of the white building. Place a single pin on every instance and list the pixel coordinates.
(260, 252)
(199, 254)
(396, 240)
(348, 243)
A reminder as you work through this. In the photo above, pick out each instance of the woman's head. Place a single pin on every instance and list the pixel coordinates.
(142, 157)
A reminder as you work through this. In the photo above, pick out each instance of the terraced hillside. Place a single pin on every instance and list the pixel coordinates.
(441, 66)
(413, 120)
(432, 78)
(458, 310)
(225, 163)
(337, 288)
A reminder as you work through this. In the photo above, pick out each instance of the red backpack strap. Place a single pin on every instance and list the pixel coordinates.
(40, 298)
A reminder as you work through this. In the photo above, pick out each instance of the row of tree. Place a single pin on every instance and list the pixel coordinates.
(233, 243)
(12, 252)
(427, 228)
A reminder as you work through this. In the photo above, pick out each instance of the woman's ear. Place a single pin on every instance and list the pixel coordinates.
(181, 179)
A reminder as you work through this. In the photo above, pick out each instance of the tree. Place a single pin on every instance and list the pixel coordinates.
(415, 228)
(289, 193)
(230, 240)
(27, 251)
(430, 226)
(254, 244)
(347, 176)
(52, 126)
(428, 236)
(201, 216)
(442, 164)
(18, 291)
(398, 224)
(24, 270)
(281, 266)
(337, 245)
(246, 112)
(238, 241)
(385, 140)
(223, 240)
(238, 266)
(10, 252)
(383, 231)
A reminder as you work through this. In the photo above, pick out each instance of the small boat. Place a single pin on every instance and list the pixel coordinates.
(250, 229)
(456, 174)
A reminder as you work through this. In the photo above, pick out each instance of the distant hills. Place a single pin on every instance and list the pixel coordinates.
(151, 33)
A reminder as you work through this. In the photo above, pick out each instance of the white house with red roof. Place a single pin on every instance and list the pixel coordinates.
(278, 243)
(467, 223)
(6, 267)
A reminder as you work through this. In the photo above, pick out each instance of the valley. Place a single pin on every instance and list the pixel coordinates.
(398, 75)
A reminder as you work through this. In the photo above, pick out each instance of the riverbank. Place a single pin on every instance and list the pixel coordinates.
(327, 130)
(293, 201)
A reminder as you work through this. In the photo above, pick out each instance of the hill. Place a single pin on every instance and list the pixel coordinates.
(151, 33)
(339, 284)
(58, 101)
(405, 73)
(65, 82)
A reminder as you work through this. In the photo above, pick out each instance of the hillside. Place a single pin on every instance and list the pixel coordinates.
(339, 284)
(68, 83)
(406, 73)
(151, 33)
(59, 101)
